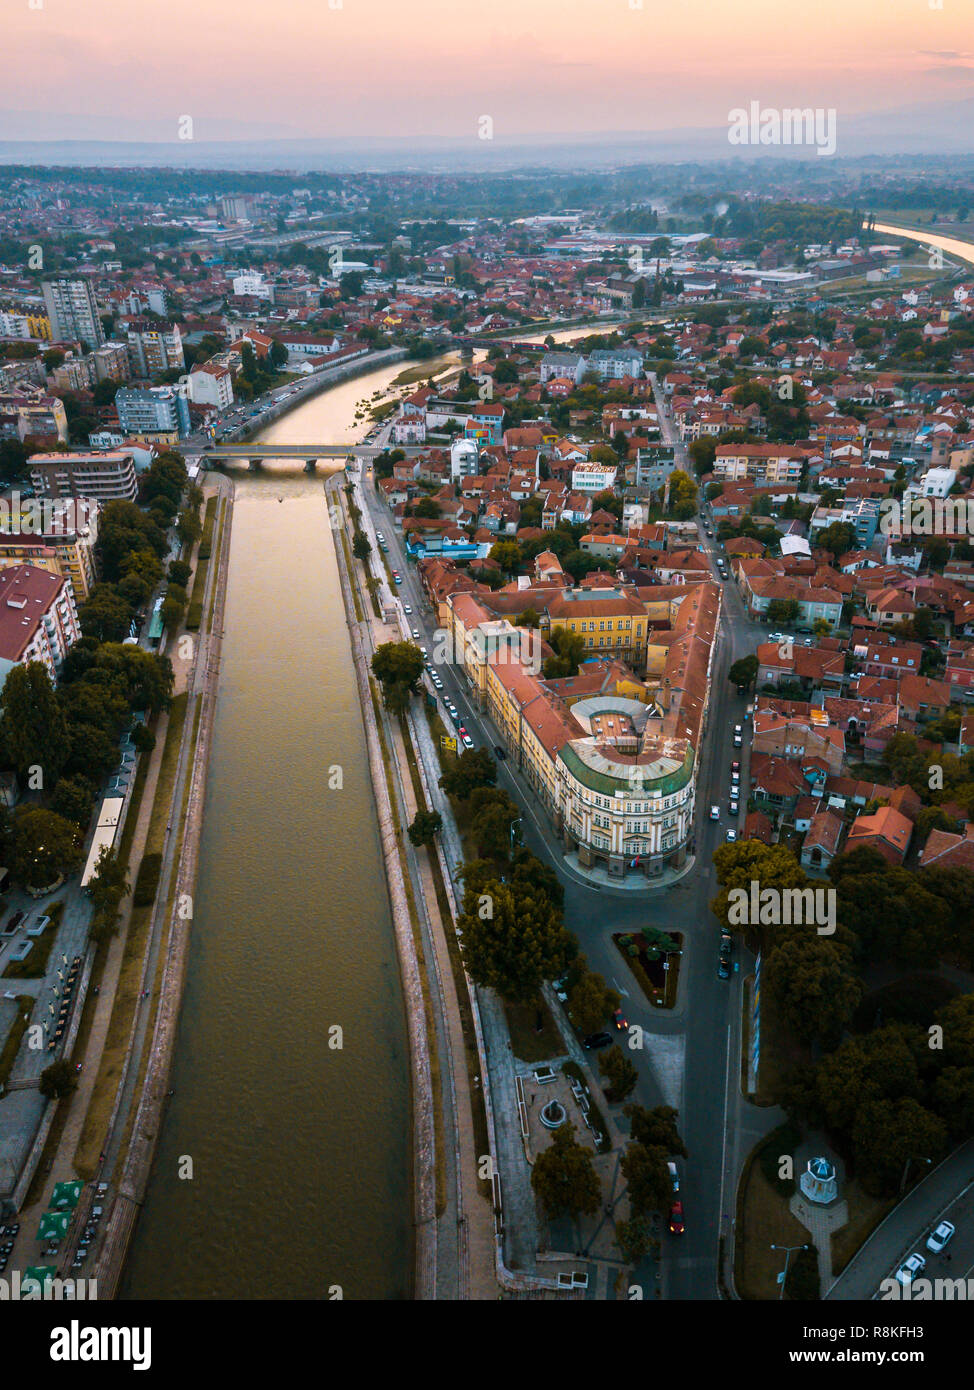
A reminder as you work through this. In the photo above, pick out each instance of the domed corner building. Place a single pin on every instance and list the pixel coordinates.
(626, 788)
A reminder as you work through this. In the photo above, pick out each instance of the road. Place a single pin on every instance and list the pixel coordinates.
(691, 1058)
(946, 1194)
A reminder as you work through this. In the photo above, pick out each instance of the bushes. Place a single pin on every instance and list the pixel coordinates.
(194, 615)
(147, 882)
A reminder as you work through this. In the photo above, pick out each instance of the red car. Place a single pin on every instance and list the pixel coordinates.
(620, 1020)
(676, 1219)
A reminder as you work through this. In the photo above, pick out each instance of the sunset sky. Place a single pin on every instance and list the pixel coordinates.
(128, 69)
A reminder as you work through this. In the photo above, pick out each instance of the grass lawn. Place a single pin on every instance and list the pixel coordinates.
(865, 1214)
(25, 1005)
(528, 1041)
(763, 1220)
(100, 1107)
(36, 963)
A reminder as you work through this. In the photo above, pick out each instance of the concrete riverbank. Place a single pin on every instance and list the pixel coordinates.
(424, 1144)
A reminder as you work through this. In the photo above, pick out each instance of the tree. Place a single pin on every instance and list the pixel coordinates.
(277, 355)
(656, 1128)
(591, 1002)
(73, 799)
(619, 1072)
(105, 615)
(398, 663)
(564, 1178)
(143, 740)
(512, 942)
(188, 527)
(634, 1239)
(744, 673)
(45, 846)
(568, 648)
(702, 453)
(33, 729)
(473, 769)
(134, 592)
(838, 538)
(507, 554)
(425, 827)
(887, 1134)
(737, 865)
(361, 546)
(492, 815)
(682, 494)
(57, 1080)
(180, 573)
(783, 610)
(814, 986)
(648, 1178)
(107, 887)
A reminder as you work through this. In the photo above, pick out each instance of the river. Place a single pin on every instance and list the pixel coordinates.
(952, 245)
(301, 1177)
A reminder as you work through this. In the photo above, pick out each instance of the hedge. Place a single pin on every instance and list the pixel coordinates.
(147, 881)
(194, 615)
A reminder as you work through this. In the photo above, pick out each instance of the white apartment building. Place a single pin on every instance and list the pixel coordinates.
(593, 477)
(211, 384)
(73, 313)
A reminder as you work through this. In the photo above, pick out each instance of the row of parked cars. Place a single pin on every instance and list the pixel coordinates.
(91, 1227)
(937, 1241)
(8, 1234)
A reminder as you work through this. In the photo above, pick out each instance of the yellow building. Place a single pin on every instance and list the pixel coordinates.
(39, 326)
(609, 622)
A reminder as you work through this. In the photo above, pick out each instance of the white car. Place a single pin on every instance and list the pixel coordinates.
(467, 740)
(416, 633)
(715, 813)
(937, 1239)
(910, 1268)
(406, 609)
(423, 650)
(730, 834)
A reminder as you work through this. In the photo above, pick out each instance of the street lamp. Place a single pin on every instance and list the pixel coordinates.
(783, 1276)
(914, 1158)
(515, 822)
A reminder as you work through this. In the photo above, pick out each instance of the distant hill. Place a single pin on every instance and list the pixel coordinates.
(946, 128)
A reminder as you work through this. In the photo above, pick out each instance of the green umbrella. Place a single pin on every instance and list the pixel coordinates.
(38, 1274)
(54, 1225)
(66, 1194)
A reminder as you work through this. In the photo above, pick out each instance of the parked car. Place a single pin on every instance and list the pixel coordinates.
(730, 834)
(466, 740)
(734, 806)
(415, 633)
(738, 736)
(499, 753)
(594, 1041)
(725, 955)
(406, 609)
(912, 1266)
(937, 1239)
